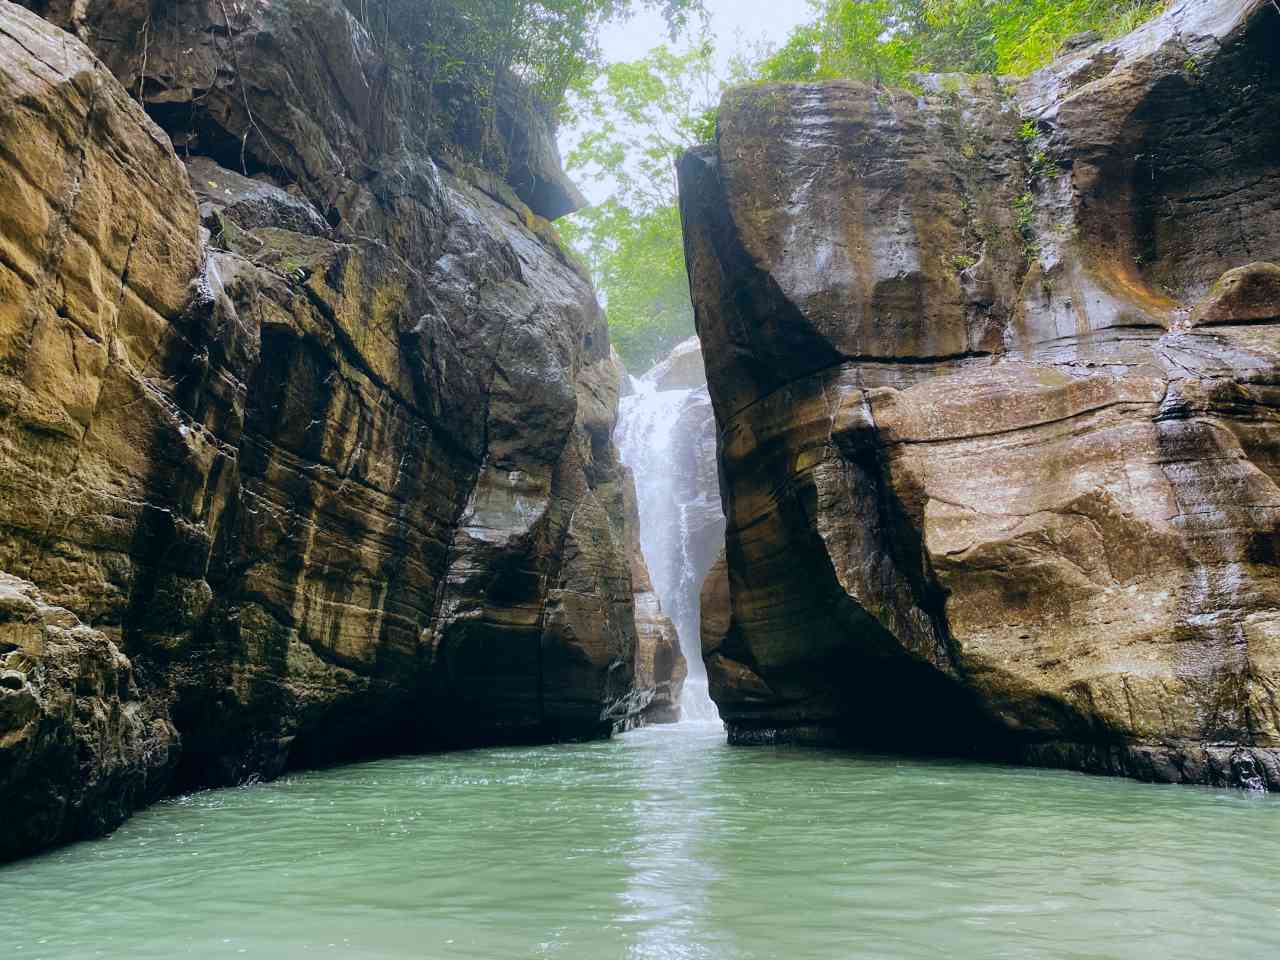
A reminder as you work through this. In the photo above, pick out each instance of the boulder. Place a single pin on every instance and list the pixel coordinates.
(681, 369)
(1251, 292)
(316, 433)
(990, 488)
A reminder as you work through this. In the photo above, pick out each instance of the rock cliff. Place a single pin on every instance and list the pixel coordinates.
(996, 371)
(305, 439)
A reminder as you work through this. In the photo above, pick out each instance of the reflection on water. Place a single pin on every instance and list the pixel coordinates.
(665, 843)
(669, 918)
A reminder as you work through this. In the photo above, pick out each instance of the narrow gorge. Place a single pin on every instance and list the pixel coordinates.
(848, 529)
(667, 436)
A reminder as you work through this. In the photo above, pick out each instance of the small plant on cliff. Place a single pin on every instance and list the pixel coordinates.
(1024, 210)
(1041, 166)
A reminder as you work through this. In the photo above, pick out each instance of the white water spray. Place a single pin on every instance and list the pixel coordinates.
(667, 439)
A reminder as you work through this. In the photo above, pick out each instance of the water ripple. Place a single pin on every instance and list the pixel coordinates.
(666, 845)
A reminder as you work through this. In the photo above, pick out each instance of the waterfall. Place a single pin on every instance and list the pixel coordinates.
(667, 438)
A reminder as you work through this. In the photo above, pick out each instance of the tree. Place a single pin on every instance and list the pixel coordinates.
(546, 47)
(639, 117)
(887, 40)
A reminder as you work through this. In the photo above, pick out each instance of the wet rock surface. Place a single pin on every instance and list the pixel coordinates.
(311, 91)
(308, 436)
(996, 373)
(81, 744)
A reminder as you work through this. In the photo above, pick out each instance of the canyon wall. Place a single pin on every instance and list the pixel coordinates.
(305, 436)
(996, 373)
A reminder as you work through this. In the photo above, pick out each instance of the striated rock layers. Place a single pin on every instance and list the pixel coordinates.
(304, 460)
(996, 372)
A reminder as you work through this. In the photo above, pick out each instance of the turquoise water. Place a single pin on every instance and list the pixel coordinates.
(666, 843)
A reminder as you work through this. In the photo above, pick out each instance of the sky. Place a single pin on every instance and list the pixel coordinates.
(731, 20)
(735, 25)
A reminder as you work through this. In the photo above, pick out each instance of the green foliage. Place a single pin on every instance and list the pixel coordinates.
(1018, 36)
(1024, 210)
(887, 40)
(547, 46)
(1041, 167)
(639, 117)
(797, 59)
(868, 40)
(637, 261)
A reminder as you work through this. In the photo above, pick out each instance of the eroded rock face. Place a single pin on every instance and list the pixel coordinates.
(321, 444)
(304, 89)
(80, 745)
(999, 415)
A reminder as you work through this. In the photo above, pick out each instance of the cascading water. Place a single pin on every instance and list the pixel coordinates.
(667, 438)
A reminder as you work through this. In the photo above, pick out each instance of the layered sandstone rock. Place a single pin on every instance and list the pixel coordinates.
(997, 377)
(81, 745)
(304, 440)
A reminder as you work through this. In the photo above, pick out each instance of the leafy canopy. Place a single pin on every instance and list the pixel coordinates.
(639, 117)
(886, 40)
(548, 45)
